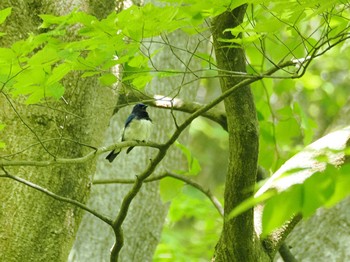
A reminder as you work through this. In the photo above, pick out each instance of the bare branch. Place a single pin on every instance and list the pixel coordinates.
(77, 160)
(57, 197)
(185, 179)
(286, 254)
(24, 122)
(45, 141)
(177, 104)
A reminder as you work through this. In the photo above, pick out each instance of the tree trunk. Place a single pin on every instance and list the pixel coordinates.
(238, 241)
(33, 226)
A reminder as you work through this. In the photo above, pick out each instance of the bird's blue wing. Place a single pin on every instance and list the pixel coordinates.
(127, 123)
(129, 119)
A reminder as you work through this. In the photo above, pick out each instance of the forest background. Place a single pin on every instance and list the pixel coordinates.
(249, 100)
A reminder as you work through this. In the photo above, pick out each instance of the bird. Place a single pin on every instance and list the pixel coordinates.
(137, 127)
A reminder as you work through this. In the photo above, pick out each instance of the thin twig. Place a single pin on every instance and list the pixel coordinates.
(77, 160)
(185, 179)
(48, 140)
(25, 123)
(286, 254)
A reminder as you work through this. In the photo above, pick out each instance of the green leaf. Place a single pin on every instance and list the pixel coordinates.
(280, 208)
(40, 92)
(250, 203)
(55, 90)
(46, 55)
(49, 20)
(342, 182)
(4, 13)
(193, 164)
(108, 79)
(90, 73)
(83, 18)
(141, 80)
(25, 47)
(287, 130)
(58, 73)
(170, 188)
(318, 189)
(26, 80)
(307, 124)
(138, 61)
(321, 189)
(2, 144)
(6, 55)
(311, 81)
(148, 21)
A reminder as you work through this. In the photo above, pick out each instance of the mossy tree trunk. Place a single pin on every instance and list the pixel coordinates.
(238, 241)
(33, 226)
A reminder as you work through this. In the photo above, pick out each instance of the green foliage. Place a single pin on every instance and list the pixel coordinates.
(170, 188)
(118, 40)
(291, 113)
(294, 113)
(4, 14)
(188, 233)
(193, 165)
(251, 202)
(50, 56)
(320, 190)
(2, 144)
(276, 32)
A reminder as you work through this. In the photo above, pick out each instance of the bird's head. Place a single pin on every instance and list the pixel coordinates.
(139, 107)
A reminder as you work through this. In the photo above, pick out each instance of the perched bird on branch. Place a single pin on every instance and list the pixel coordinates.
(137, 127)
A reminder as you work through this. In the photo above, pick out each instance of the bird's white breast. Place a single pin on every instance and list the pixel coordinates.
(138, 130)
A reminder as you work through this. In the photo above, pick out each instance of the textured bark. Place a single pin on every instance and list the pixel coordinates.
(33, 226)
(323, 237)
(238, 241)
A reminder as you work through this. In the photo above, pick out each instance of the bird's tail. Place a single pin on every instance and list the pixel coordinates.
(129, 149)
(112, 155)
